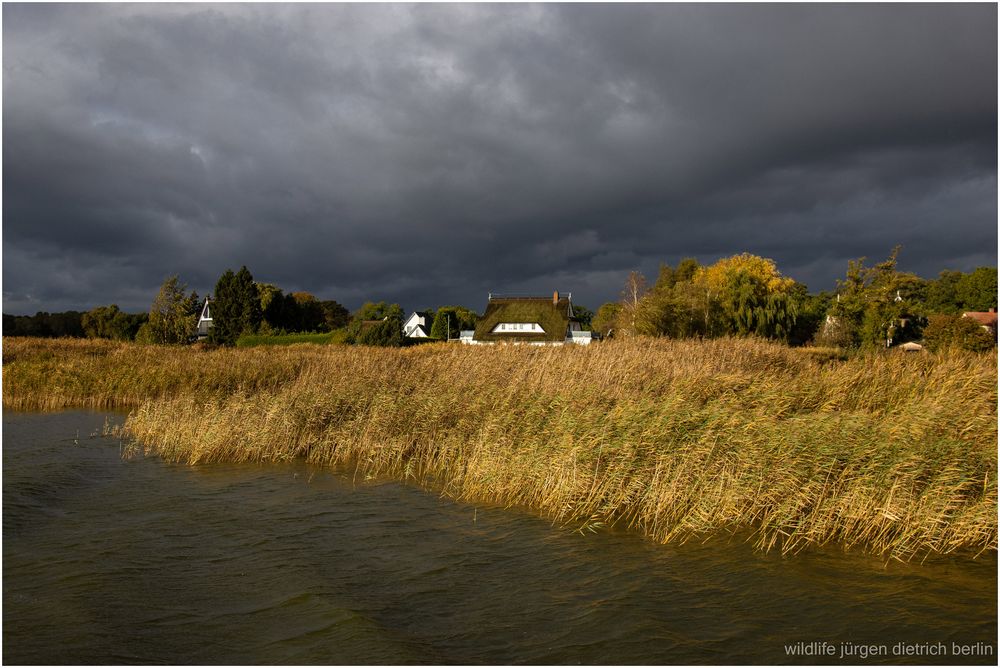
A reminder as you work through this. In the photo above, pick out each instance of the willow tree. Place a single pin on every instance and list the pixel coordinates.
(740, 295)
(747, 295)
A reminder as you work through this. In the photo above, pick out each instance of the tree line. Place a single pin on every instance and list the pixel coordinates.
(239, 306)
(105, 322)
(741, 295)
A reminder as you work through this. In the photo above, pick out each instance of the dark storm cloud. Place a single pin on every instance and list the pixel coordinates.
(429, 154)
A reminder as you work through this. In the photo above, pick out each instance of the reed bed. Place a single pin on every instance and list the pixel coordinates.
(323, 338)
(893, 453)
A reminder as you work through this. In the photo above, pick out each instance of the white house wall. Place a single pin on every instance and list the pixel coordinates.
(416, 327)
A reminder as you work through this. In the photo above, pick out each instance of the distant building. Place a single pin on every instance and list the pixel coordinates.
(418, 325)
(204, 321)
(986, 319)
(530, 320)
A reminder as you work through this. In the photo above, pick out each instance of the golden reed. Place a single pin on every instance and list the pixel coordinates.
(895, 453)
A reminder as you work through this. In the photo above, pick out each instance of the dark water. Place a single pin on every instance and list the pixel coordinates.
(139, 561)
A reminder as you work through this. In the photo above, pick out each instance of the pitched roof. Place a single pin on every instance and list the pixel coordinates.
(426, 315)
(984, 318)
(428, 318)
(552, 315)
(206, 314)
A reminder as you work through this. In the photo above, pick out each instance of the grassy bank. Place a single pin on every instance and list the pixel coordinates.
(674, 439)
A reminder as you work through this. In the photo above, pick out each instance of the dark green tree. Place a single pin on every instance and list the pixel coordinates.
(812, 311)
(942, 293)
(311, 317)
(235, 307)
(388, 332)
(271, 307)
(43, 324)
(246, 289)
(39, 324)
(279, 312)
(977, 291)
(335, 315)
(377, 324)
(584, 315)
(226, 310)
(953, 292)
(455, 317)
(671, 276)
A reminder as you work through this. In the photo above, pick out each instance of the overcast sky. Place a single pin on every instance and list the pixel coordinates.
(430, 154)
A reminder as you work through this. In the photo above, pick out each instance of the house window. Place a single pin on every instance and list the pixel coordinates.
(518, 327)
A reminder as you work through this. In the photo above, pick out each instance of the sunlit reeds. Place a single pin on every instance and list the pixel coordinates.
(890, 452)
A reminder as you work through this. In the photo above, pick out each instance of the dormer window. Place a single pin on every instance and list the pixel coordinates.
(530, 327)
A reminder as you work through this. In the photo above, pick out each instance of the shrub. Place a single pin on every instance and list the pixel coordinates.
(954, 331)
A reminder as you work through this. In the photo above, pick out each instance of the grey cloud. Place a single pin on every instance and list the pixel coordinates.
(429, 154)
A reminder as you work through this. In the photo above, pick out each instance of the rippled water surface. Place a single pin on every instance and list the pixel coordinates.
(140, 561)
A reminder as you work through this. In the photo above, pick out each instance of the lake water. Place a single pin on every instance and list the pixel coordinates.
(139, 561)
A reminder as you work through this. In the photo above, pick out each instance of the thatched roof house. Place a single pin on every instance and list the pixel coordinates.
(539, 320)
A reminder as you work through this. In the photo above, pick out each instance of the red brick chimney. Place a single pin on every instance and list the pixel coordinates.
(555, 298)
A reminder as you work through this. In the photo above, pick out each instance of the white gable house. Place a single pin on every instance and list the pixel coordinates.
(204, 321)
(418, 325)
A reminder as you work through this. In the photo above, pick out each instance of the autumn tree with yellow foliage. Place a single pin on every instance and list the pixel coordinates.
(741, 295)
(749, 296)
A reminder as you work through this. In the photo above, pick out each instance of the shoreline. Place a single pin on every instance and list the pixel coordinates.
(673, 439)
